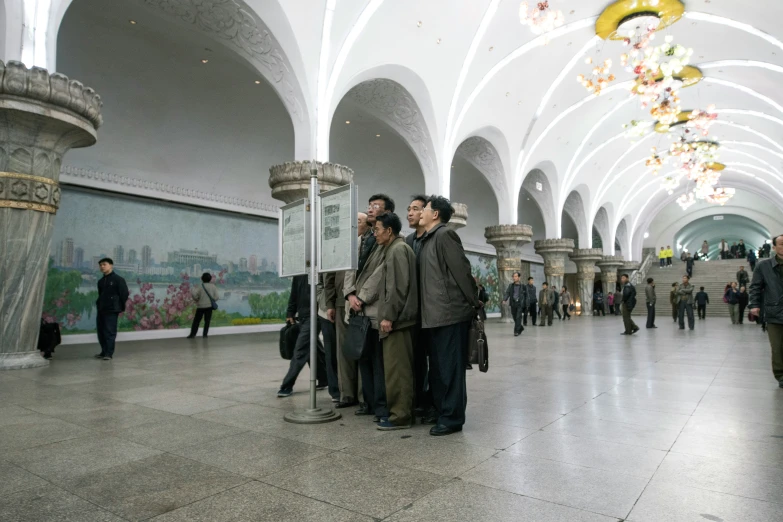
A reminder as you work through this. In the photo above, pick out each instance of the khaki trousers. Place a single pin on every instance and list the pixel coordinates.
(775, 332)
(347, 370)
(398, 373)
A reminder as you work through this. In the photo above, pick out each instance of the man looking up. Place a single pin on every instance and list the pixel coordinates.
(767, 289)
(378, 204)
(448, 303)
(112, 296)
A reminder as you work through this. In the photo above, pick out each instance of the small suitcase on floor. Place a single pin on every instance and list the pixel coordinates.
(49, 338)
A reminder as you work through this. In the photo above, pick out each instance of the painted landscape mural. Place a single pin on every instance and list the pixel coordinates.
(161, 249)
(485, 269)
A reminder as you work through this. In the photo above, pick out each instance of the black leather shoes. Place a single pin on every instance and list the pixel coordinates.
(441, 430)
(345, 404)
(364, 410)
(429, 419)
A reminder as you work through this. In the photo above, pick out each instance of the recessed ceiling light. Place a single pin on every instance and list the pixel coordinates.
(452, 166)
(204, 60)
(508, 93)
(437, 41)
(347, 122)
(377, 135)
(491, 48)
(132, 22)
(258, 82)
(418, 24)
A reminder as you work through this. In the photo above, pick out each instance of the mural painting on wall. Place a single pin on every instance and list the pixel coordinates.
(485, 269)
(161, 249)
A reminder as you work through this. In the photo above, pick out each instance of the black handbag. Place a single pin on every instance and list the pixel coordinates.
(48, 338)
(356, 336)
(288, 335)
(211, 301)
(477, 345)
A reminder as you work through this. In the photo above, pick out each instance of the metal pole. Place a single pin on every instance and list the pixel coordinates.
(313, 414)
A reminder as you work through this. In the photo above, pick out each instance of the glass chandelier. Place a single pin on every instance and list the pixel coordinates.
(540, 17)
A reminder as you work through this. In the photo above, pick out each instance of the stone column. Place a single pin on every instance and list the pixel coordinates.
(508, 241)
(630, 268)
(555, 252)
(460, 217)
(42, 117)
(609, 266)
(291, 181)
(585, 259)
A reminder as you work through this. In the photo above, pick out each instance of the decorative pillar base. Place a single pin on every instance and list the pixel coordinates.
(42, 117)
(554, 252)
(460, 217)
(291, 181)
(508, 241)
(585, 259)
(609, 266)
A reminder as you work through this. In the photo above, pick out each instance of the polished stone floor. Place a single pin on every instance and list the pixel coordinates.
(573, 422)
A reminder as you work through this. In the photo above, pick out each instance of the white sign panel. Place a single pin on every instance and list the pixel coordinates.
(337, 246)
(294, 239)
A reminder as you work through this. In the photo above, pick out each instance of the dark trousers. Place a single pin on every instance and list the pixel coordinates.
(702, 311)
(546, 315)
(531, 309)
(557, 311)
(668, 261)
(686, 308)
(423, 395)
(302, 357)
(106, 324)
(662, 261)
(741, 313)
(611, 309)
(775, 333)
(565, 312)
(630, 326)
(206, 313)
(449, 346)
(752, 265)
(598, 309)
(373, 379)
(675, 312)
(516, 313)
(650, 315)
(330, 355)
(689, 271)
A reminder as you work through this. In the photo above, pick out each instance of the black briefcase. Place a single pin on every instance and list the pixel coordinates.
(288, 335)
(357, 333)
(49, 338)
(477, 345)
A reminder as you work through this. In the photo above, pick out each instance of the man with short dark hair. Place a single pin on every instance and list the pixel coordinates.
(112, 296)
(702, 299)
(531, 302)
(377, 205)
(689, 265)
(649, 294)
(448, 303)
(628, 303)
(766, 290)
(685, 302)
(742, 276)
(516, 296)
(418, 202)
(547, 301)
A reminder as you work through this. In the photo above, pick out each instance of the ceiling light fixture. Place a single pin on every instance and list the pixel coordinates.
(418, 24)
(204, 60)
(258, 82)
(437, 41)
(540, 17)
(347, 122)
(132, 22)
(377, 135)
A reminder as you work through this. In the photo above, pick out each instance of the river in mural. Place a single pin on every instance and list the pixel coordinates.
(485, 270)
(161, 249)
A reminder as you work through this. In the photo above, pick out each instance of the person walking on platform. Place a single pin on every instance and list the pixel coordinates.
(649, 295)
(547, 301)
(702, 300)
(565, 302)
(685, 302)
(112, 297)
(531, 302)
(628, 304)
(516, 297)
(731, 297)
(742, 300)
(766, 290)
(674, 302)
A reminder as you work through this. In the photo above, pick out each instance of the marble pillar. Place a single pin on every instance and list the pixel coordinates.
(630, 268)
(555, 252)
(460, 217)
(609, 266)
(290, 181)
(508, 241)
(585, 259)
(42, 116)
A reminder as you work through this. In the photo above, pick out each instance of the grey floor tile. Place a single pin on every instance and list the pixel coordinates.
(646, 403)
(610, 431)
(608, 493)
(176, 433)
(653, 419)
(733, 428)
(251, 454)
(424, 452)
(117, 415)
(71, 458)
(186, 403)
(372, 487)
(149, 487)
(766, 454)
(489, 435)
(674, 503)
(35, 430)
(260, 502)
(13, 479)
(246, 416)
(529, 419)
(465, 502)
(608, 456)
(50, 504)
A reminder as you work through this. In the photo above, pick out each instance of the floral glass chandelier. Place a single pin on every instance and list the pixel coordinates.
(720, 196)
(686, 200)
(540, 17)
(599, 77)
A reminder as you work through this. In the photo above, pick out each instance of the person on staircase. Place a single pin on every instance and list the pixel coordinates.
(662, 257)
(702, 299)
(685, 302)
(743, 279)
(669, 255)
(741, 250)
(724, 249)
(689, 265)
(705, 250)
(752, 259)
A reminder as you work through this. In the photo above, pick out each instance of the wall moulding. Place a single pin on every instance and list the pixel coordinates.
(119, 183)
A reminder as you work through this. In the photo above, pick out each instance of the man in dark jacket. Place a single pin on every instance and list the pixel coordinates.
(448, 303)
(685, 302)
(628, 304)
(547, 299)
(516, 296)
(649, 295)
(112, 296)
(299, 309)
(377, 205)
(423, 398)
(767, 289)
(702, 300)
(531, 302)
(742, 276)
(689, 265)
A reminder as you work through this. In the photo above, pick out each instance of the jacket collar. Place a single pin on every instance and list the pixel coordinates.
(432, 231)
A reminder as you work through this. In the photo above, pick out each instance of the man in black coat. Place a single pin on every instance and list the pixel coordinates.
(766, 290)
(516, 296)
(531, 302)
(628, 304)
(112, 296)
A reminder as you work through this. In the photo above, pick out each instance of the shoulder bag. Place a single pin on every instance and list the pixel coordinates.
(212, 301)
(288, 335)
(477, 345)
(356, 335)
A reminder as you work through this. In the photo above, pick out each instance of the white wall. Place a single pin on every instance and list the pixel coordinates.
(168, 117)
(530, 214)
(469, 186)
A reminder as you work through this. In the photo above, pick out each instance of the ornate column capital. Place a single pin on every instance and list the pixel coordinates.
(554, 252)
(610, 264)
(460, 217)
(290, 181)
(508, 241)
(629, 266)
(586, 259)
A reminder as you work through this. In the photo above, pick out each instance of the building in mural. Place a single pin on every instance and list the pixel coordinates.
(160, 286)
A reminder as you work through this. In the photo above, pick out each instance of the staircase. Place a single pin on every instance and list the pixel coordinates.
(712, 275)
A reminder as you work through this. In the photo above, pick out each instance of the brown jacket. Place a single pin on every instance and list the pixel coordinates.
(448, 291)
(399, 297)
(367, 287)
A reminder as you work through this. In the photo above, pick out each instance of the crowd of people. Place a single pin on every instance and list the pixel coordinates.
(416, 298)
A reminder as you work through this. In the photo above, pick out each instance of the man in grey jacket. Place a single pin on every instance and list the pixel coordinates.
(531, 302)
(546, 301)
(766, 290)
(649, 294)
(516, 296)
(685, 298)
(448, 303)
